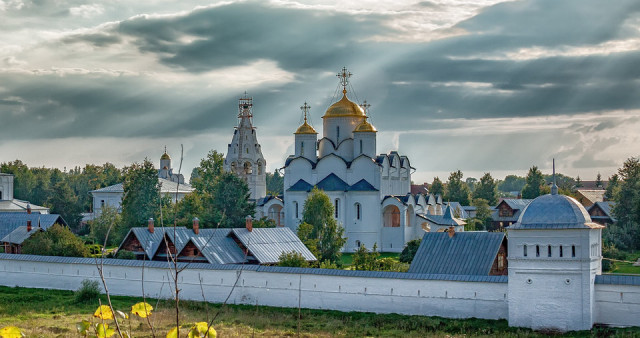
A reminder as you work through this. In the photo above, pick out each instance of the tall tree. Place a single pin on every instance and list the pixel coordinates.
(275, 183)
(578, 182)
(231, 200)
(471, 183)
(58, 240)
(205, 176)
(319, 229)
(612, 187)
(64, 202)
(141, 199)
(487, 189)
(109, 222)
(457, 190)
(437, 187)
(482, 219)
(535, 182)
(512, 183)
(625, 232)
(598, 180)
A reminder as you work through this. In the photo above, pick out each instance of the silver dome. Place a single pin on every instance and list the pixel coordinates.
(554, 212)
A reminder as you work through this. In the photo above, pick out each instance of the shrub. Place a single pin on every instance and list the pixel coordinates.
(89, 291)
(124, 254)
(57, 240)
(410, 250)
(292, 259)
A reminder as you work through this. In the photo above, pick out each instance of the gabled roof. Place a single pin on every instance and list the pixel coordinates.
(16, 205)
(267, 244)
(446, 218)
(606, 207)
(593, 195)
(301, 185)
(166, 187)
(460, 207)
(466, 253)
(362, 185)
(219, 250)
(150, 241)
(516, 203)
(332, 183)
(20, 234)
(10, 221)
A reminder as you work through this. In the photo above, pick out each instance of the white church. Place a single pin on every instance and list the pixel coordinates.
(371, 193)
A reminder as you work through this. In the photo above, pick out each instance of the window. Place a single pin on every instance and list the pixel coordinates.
(338, 133)
(358, 244)
(501, 261)
(561, 253)
(525, 251)
(360, 146)
(335, 207)
(549, 251)
(0, 195)
(101, 203)
(295, 204)
(358, 211)
(301, 148)
(573, 251)
(537, 251)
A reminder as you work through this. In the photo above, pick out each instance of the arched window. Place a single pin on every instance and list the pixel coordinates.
(358, 244)
(336, 203)
(360, 146)
(295, 204)
(358, 211)
(338, 133)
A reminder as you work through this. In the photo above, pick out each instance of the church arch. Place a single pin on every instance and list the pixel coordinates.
(275, 213)
(247, 168)
(391, 216)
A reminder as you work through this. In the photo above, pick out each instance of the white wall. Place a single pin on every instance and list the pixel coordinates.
(617, 305)
(455, 299)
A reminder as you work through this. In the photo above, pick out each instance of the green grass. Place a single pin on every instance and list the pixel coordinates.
(53, 313)
(626, 268)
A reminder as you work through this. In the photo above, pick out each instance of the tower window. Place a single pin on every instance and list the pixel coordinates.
(0, 195)
(549, 251)
(525, 251)
(573, 251)
(358, 244)
(335, 206)
(296, 207)
(302, 148)
(561, 253)
(537, 251)
(360, 146)
(358, 211)
(338, 133)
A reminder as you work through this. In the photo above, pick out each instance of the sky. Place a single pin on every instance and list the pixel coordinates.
(478, 86)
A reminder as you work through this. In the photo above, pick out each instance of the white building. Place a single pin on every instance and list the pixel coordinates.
(244, 155)
(171, 185)
(371, 193)
(10, 204)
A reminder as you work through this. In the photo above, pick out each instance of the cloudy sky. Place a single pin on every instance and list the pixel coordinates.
(480, 86)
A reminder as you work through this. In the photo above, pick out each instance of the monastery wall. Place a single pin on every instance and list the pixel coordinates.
(272, 286)
(617, 305)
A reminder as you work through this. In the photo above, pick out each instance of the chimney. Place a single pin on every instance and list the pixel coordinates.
(28, 225)
(249, 223)
(151, 225)
(28, 208)
(452, 231)
(196, 225)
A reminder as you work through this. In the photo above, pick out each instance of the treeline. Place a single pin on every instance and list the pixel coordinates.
(65, 193)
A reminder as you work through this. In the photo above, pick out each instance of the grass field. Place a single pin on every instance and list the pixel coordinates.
(53, 313)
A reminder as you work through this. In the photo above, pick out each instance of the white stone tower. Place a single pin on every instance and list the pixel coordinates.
(306, 138)
(364, 136)
(554, 256)
(6, 187)
(166, 171)
(244, 154)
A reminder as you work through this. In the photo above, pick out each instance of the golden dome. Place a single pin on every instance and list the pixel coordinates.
(365, 126)
(165, 156)
(305, 128)
(344, 107)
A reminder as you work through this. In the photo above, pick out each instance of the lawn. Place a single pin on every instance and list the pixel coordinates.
(53, 313)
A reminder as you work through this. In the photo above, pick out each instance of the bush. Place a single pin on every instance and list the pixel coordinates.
(124, 254)
(89, 291)
(293, 259)
(57, 240)
(391, 264)
(410, 250)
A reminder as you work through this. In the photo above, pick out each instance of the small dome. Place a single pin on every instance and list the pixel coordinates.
(165, 156)
(305, 128)
(344, 107)
(554, 211)
(365, 126)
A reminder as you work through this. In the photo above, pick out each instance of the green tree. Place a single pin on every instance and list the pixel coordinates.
(612, 188)
(535, 182)
(108, 219)
(363, 259)
(625, 232)
(456, 189)
(275, 183)
(487, 189)
(231, 201)
(599, 180)
(482, 219)
(512, 183)
(324, 232)
(437, 187)
(471, 183)
(409, 251)
(578, 182)
(57, 240)
(188, 208)
(141, 199)
(206, 175)
(63, 201)
(292, 259)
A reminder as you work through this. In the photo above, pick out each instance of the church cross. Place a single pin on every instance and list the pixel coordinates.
(305, 108)
(344, 76)
(365, 106)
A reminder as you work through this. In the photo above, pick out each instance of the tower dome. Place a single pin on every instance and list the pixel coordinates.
(365, 126)
(344, 107)
(165, 156)
(553, 211)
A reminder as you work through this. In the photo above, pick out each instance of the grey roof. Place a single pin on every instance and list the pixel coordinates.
(267, 244)
(332, 183)
(606, 207)
(219, 250)
(362, 185)
(516, 203)
(553, 211)
(446, 218)
(166, 186)
(19, 235)
(454, 205)
(150, 241)
(466, 253)
(301, 185)
(9, 221)
(617, 279)
(259, 268)
(16, 205)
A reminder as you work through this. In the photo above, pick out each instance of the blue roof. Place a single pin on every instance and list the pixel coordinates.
(446, 218)
(259, 268)
(606, 207)
(362, 185)
(617, 279)
(301, 185)
(466, 253)
(19, 235)
(332, 183)
(10, 221)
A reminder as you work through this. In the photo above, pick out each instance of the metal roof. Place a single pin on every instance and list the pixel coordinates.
(301, 185)
(606, 207)
(617, 279)
(362, 185)
(219, 250)
(553, 211)
(516, 203)
(150, 241)
(16, 205)
(166, 186)
(19, 235)
(267, 244)
(332, 183)
(9, 221)
(446, 218)
(592, 195)
(258, 268)
(466, 253)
